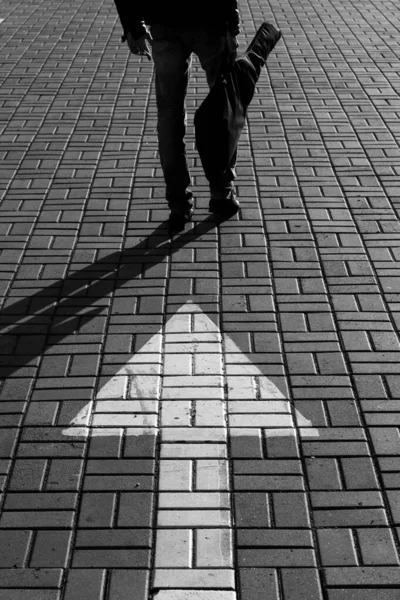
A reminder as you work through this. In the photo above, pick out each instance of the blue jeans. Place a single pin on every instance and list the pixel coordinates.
(172, 48)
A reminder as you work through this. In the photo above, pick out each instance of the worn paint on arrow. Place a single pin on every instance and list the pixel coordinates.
(137, 388)
(196, 405)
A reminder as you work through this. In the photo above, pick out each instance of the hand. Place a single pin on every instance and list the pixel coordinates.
(232, 45)
(139, 46)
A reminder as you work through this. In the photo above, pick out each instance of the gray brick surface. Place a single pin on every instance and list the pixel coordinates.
(304, 281)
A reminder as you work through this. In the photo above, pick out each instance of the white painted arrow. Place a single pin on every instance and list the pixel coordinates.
(197, 402)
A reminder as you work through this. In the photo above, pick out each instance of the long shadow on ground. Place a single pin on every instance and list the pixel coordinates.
(31, 326)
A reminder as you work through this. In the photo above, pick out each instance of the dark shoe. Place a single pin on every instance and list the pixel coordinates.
(181, 211)
(225, 207)
(178, 220)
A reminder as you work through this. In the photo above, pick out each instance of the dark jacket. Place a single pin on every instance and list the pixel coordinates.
(217, 13)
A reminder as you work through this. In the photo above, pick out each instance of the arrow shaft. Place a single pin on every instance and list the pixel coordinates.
(194, 546)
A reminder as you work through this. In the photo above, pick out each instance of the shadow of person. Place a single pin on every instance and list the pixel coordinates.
(32, 325)
(96, 499)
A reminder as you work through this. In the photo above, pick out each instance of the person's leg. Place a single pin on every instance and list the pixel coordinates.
(172, 64)
(210, 47)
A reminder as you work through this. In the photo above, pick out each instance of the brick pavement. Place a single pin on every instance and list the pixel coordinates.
(243, 446)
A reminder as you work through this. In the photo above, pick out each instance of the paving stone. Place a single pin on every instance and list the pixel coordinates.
(123, 581)
(283, 445)
(64, 474)
(291, 510)
(182, 542)
(365, 576)
(7, 443)
(14, 548)
(29, 594)
(112, 538)
(28, 475)
(193, 518)
(214, 548)
(212, 475)
(110, 557)
(377, 547)
(40, 501)
(135, 509)
(193, 500)
(337, 547)
(51, 549)
(35, 578)
(343, 412)
(82, 582)
(301, 583)
(194, 578)
(252, 509)
(37, 520)
(198, 450)
(97, 510)
(268, 483)
(350, 518)
(118, 482)
(359, 473)
(274, 538)
(267, 467)
(277, 557)
(175, 475)
(256, 584)
(363, 594)
(346, 499)
(194, 595)
(121, 466)
(335, 448)
(245, 446)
